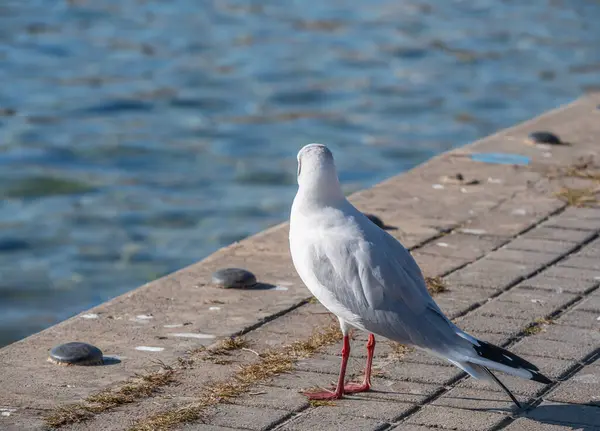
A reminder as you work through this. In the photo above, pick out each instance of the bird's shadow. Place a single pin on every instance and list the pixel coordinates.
(580, 417)
(576, 417)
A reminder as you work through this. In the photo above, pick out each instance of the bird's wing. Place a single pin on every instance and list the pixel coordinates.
(370, 270)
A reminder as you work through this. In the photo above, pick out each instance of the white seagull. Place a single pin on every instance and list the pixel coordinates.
(371, 282)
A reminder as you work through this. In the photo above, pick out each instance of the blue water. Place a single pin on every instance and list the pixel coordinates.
(137, 137)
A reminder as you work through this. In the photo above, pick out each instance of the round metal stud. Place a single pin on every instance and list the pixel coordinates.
(234, 278)
(547, 138)
(75, 353)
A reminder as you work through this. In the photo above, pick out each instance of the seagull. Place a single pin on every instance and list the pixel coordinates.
(366, 277)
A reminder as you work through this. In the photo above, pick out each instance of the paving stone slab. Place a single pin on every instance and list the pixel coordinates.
(558, 271)
(582, 388)
(463, 246)
(475, 399)
(536, 346)
(434, 266)
(483, 323)
(273, 397)
(573, 223)
(541, 245)
(589, 339)
(551, 412)
(524, 424)
(591, 249)
(532, 303)
(301, 381)
(491, 266)
(537, 258)
(246, 417)
(327, 418)
(489, 280)
(499, 224)
(398, 391)
(581, 319)
(497, 339)
(591, 303)
(205, 427)
(455, 419)
(582, 213)
(538, 297)
(543, 281)
(420, 373)
(371, 408)
(582, 262)
(458, 299)
(556, 234)
(408, 427)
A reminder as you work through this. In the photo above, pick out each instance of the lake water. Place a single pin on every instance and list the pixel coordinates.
(138, 136)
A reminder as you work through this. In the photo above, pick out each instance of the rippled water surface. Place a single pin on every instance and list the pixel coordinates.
(138, 136)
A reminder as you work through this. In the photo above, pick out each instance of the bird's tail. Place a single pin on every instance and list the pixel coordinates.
(486, 355)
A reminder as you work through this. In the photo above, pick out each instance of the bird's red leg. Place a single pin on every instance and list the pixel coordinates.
(339, 390)
(352, 388)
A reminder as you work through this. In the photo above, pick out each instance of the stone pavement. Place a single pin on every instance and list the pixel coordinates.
(517, 250)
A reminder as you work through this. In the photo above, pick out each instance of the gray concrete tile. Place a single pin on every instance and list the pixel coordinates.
(532, 303)
(300, 381)
(328, 418)
(551, 349)
(399, 391)
(434, 266)
(541, 245)
(582, 262)
(591, 303)
(582, 388)
(455, 419)
(420, 373)
(370, 408)
(475, 399)
(542, 281)
(477, 321)
(497, 339)
(205, 427)
(550, 412)
(462, 246)
(246, 417)
(572, 273)
(458, 299)
(500, 224)
(488, 265)
(489, 280)
(581, 213)
(524, 424)
(408, 427)
(549, 233)
(580, 319)
(573, 223)
(589, 339)
(537, 258)
(591, 249)
(421, 357)
(273, 397)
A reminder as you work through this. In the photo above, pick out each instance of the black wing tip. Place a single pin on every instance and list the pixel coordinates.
(503, 356)
(540, 378)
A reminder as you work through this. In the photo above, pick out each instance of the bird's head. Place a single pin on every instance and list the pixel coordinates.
(317, 174)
